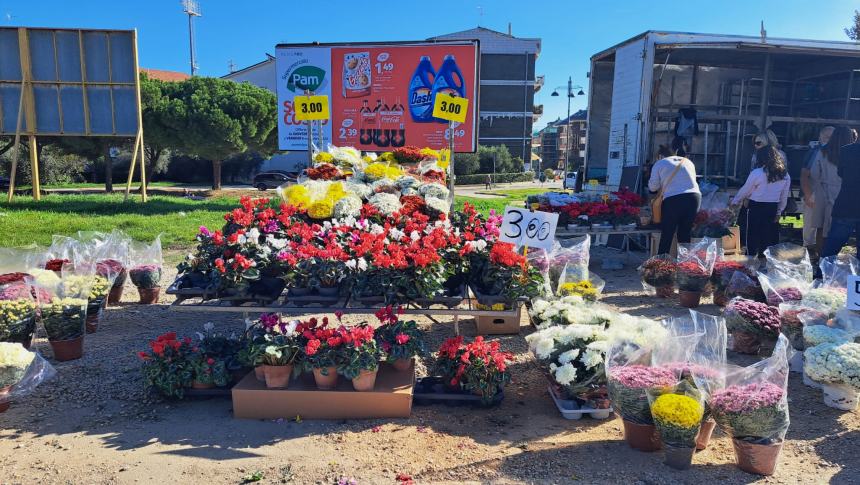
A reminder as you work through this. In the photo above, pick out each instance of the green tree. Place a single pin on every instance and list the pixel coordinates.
(162, 111)
(218, 118)
(853, 32)
(466, 163)
(495, 159)
(90, 148)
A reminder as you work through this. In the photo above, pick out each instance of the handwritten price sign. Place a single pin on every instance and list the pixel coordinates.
(447, 107)
(310, 108)
(853, 293)
(523, 227)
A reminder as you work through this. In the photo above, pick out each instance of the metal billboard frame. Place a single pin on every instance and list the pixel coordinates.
(27, 109)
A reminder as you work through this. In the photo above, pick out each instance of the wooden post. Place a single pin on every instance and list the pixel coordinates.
(29, 106)
(133, 162)
(139, 138)
(34, 167)
(17, 146)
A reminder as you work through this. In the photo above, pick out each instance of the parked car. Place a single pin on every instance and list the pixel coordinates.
(273, 178)
(570, 180)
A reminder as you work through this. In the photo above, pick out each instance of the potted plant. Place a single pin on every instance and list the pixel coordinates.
(147, 279)
(659, 273)
(506, 276)
(756, 416)
(99, 289)
(479, 367)
(17, 314)
(628, 386)
(401, 341)
(327, 275)
(837, 367)
(280, 354)
(751, 322)
(113, 270)
(678, 418)
(722, 275)
(321, 352)
(14, 362)
(300, 278)
(208, 371)
(64, 320)
(359, 357)
(168, 365)
(691, 277)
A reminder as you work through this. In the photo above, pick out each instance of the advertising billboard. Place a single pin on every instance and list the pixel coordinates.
(381, 95)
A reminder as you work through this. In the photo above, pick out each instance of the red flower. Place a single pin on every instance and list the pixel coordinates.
(312, 347)
(143, 355)
(210, 361)
(401, 338)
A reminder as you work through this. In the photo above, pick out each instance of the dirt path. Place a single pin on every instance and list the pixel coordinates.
(95, 424)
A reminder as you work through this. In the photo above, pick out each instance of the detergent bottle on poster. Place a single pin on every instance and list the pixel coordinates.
(421, 91)
(449, 80)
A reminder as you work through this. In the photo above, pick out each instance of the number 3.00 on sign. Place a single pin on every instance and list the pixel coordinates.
(311, 107)
(523, 227)
(447, 107)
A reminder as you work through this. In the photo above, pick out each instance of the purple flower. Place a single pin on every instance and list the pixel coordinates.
(642, 377)
(271, 226)
(269, 320)
(205, 231)
(746, 398)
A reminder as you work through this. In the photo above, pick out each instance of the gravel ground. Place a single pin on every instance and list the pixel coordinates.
(95, 423)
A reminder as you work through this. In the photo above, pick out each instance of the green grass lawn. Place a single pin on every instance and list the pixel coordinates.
(514, 197)
(118, 185)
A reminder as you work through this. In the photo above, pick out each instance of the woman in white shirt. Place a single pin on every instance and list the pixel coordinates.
(675, 176)
(767, 189)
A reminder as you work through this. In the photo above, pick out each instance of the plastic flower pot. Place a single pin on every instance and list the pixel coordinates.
(201, 385)
(149, 296)
(278, 376)
(756, 458)
(705, 432)
(678, 458)
(328, 290)
(4, 394)
(300, 291)
(326, 378)
(840, 396)
(720, 298)
(260, 373)
(642, 437)
(65, 350)
(665, 291)
(365, 381)
(402, 364)
(689, 299)
(746, 342)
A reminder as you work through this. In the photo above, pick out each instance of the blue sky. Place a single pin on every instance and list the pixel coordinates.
(243, 31)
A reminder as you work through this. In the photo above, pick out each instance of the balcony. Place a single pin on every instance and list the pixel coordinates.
(539, 80)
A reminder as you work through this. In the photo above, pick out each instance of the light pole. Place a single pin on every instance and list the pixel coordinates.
(192, 9)
(570, 88)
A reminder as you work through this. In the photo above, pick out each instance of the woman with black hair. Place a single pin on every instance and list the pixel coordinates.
(673, 179)
(767, 189)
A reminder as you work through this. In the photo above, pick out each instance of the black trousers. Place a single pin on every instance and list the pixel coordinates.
(679, 212)
(762, 230)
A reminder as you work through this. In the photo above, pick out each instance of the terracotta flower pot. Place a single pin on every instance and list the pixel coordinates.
(402, 365)
(327, 381)
(665, 291)
(68, 349)
(4, 395)
(201, 385)
(115, 295)
(365, 381)
(149, 296)
(758, 459)
(260, 373)
(92, 323)
(642, 437)
(746, 342)
(678, 458)
(705, 432)
(278, 376)
(720, 298)
(689, 299)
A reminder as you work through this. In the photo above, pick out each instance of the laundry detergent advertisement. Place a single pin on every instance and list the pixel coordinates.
(381, 95)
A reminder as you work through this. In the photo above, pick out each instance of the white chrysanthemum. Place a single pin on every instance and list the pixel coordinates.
(592, 358)
(822, 334)
(432, 190)
(347, 207)
(387, 204)
(565, 374)
(568, 356)
(437, 204)
(544, 348)
(362, 191)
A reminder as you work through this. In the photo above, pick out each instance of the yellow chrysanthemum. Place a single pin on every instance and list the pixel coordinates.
(583, 288)
(386, 157)
(324, 157)
(678, 410)
(335, 192)
(381, 170)
(296, 195)
(430, 153)
(321, 209)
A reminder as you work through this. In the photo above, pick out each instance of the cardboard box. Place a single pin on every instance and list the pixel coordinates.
(499, 325)
(391, 398)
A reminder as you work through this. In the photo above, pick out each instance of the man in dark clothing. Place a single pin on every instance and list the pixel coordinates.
(846, 209)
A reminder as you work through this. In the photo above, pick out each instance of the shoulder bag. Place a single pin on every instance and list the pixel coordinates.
(657, 201)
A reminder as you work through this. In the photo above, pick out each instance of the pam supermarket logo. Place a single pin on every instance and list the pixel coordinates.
(305, 78)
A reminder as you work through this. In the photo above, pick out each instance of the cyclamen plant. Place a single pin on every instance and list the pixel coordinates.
(359, 351)
(398, 339)
(322, 348)
(168, 365)
(479, 367)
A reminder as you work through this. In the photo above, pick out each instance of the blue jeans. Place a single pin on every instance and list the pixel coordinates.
(841, 230)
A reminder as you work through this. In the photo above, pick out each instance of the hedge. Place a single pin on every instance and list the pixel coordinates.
(499, 178)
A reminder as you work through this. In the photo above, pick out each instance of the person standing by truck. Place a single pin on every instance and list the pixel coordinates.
(812, 229)
(825, 181)
(766, 189)
(846, 209)
(674, 179)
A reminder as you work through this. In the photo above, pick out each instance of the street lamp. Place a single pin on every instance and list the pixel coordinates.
(570, 87)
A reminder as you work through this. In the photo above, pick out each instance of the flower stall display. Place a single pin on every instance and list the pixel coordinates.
(145, 271)
(677, 413)
(21, 371)
(63, 313)
(505, 276)
(322, 353)
(478, 367)
(658, 275)
(836, 365)
(713, 223)
(400, 340)
(17, 313)
(751, 323)
(695, 265)
(753, 410)
(724, 270)
(617, 209)
(568, 310)
(168, 365)
(359, 361)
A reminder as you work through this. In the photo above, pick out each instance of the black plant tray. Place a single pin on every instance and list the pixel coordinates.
(176, 288)
(314, 299)
(258, 292)
(493, 299)
(432, 390)
(449, 301)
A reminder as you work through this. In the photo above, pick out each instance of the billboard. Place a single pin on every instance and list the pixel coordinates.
(381, 94)
(76, 82)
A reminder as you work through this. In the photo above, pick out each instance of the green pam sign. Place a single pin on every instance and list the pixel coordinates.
(305, 78)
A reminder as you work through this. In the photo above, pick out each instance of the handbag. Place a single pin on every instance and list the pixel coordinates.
(657, 201)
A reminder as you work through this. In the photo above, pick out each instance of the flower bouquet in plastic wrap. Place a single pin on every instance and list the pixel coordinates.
(677, 411)
(695, 265)
(790, 262)
(829, 299)
(751, 323)
(63, 310)
(589, 286)
(658, 275)
(569, 258)
(744, 286)
(836, 366)
(21, 371)
(146, 269)
(724, 270)
(835, 270)
(17, 313)
(753, 410)
(780, 289)
(794, 316)
(568, 310)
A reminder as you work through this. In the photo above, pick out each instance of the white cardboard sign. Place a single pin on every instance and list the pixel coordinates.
(524, 227)
(853, 292)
